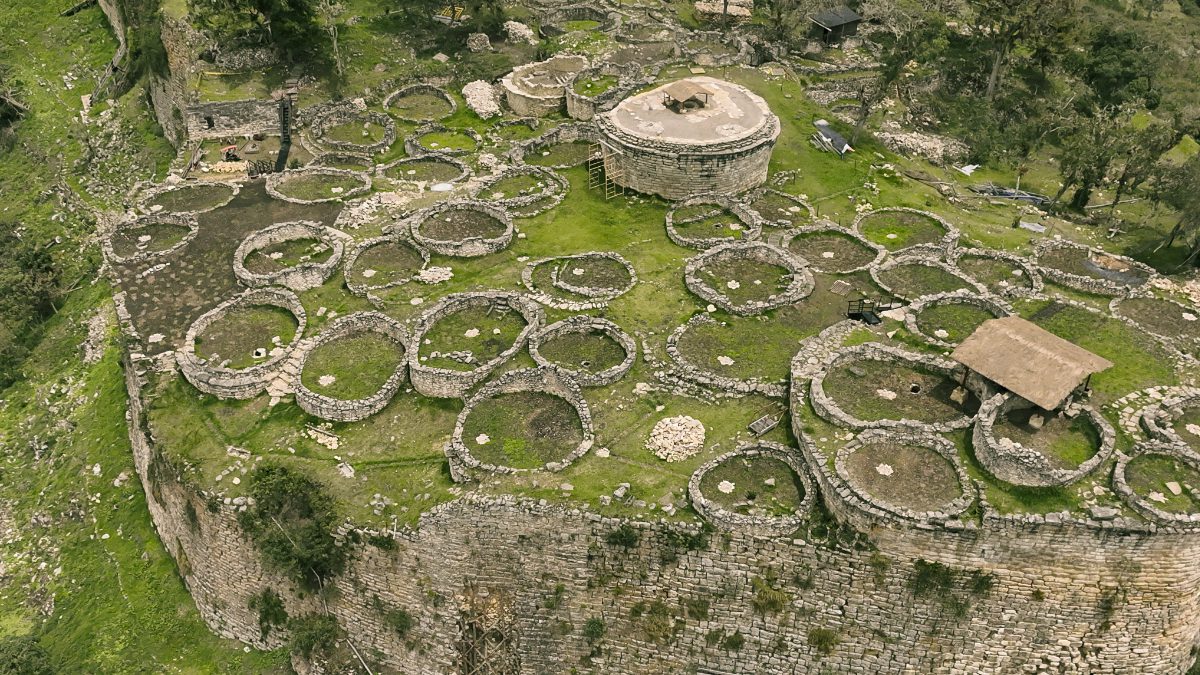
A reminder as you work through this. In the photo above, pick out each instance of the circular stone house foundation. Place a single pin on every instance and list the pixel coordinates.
(750, 222)
(768, 526)
(694, 136)
(352, 275)
(539, 89)
(800, 280)
(344, 410)
(129, 230)
(590, 297)
(587, 324)
(244, 382)
(469, 246)
(1154, 510)
(298, 278)
(448, 383)
(552, 381)
(991, 305)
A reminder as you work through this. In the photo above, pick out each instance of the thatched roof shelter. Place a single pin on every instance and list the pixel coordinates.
(1027, 360)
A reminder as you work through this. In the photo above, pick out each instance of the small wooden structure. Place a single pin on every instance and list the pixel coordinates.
(685, 95)
(1029, 361)
(831, 25)
(764, 424)
(868, 310)
(825, 138)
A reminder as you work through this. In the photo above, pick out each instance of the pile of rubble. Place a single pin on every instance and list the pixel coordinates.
(676, 438)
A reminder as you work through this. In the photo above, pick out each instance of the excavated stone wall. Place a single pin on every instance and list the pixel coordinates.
(299, 277)
(751, 221)
(629, 78)
(582, 323)
(469, 247)
(1087, 284)
(767, 526)
(344, 410)
(529, 97)
(800, 280)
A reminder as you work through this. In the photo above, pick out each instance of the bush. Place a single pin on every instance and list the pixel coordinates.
(23, 655)
(625, 536)
(768, 600)
(271, 612)
(314, 633)
(733, 642)
(823, 640)
(400, 621)
(292, 522)
(594, 629)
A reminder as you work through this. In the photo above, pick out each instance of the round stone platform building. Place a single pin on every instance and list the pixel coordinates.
(693, 136)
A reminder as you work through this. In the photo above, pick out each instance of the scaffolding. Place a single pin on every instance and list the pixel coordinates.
(604, 171)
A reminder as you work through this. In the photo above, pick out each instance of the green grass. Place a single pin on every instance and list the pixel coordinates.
(450, 335)
(756, 281)
(524, 430)
(1066, 443)
(992, 273)
(957, 319)
(360, 363)
(1150, 473)
(913, 280)
(855, 386)
(313, 186)
(1166, 319)
(1190, 417)
(594, 86)
(193, 198)
(421, 106)
(752, 494)
(895, 230)
(920, 478)
(127, 241)
(428, 170)
(591, 351)
(390, 261)
(847, 252)
(356, 132)
(233, 338)
(560, 154)
(447, 140)
(287, 254)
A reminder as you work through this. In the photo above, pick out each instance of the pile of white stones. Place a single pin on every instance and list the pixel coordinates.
(482, 99)
(676, 438)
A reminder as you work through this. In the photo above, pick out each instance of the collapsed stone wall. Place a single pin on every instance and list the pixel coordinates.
(345, 410)
(224, 119)
(413, 147)
(274, 180)
(596, 298)
(926, 258)
(528, 97)
(364, 290)
(552, 189)
(419, 88)
(186, 220)
(1014, 463)
(299, 277)
(153, 190)
(1157, 418)
(832, 228)
(1188, 521)
(1028, 269)
(629, 78)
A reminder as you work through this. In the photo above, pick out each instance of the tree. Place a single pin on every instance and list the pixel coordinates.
(785, 17)
(1177, 188)
(1140, 153)
(327, 12)
(23, 655)
(1087, 148)
(1002, 25)
(290, 26)
(1119, 66)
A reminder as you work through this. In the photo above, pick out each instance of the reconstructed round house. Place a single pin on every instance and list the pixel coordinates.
(693, 136)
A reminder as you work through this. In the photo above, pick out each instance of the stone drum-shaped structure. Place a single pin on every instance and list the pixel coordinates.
(693, 136)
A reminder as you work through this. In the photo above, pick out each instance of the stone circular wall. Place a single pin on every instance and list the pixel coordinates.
(750, 221)
(1183, 344)
(1141, 503)
(448, 383)
(920, 258)
(1159, 418)
(1029, 270)
(345, 410)
(729, 385)
(959, 297)
(469, 247)
(596, 298)
(412, 142)
(815, 263)
(947, 242)
(587, 324)
(770, 526)
(1107, 282)
(584, 107)
(800, 285)
(161, 189)
(553, 381)
(275, 179)
(345, 115)
(352, 259)
(1016, 464)
(539, 89)
(427, 89)
(332, 159)
(299, 277)
(933, 442)
(563, 133)
(830, 411)
(244, 382)
(552, 190)
(464, 171)
(178, 219)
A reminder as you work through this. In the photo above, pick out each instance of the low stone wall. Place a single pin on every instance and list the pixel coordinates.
(181, 219)
(154, 190)
(246, 382)
(528, 97)
(464, 170)
(802, 204)
(800, 283)
(765, 526)
(563, 133)
(553, 381)
(1144, 506)
(299, 277)
(880, 251)
(948, 242)
(1087, 284)
(470, 247)
(582, 323)
(830, 411)
(275, 179)
(1016, 464)
(938, 444)
(559, 16)
(447, 383)
(332, 159)
(553, 190)
(959, 297)
(1158, 419)
(413, 147)
(583, 107)
(744, 56)
(344, 410)
(228, 119)
(364, 290)
(928, 259)
(751, 221)
(348, 114)
(420, 88)
(1183, 345)
(730, 385)
(1029, 270)
(596, 298)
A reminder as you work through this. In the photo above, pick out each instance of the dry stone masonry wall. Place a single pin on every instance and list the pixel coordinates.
(800, 280)
(766, 526)
(186, 220)
(1099, 285)
(961, 296)
(419, 89)
(343, 410)
(275, 180)
(596, 298)
(751, 222)
(467, 247)
(322, 124)
(581, 323)
(299, 277)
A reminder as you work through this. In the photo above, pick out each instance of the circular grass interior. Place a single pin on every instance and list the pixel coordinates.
(424, 170)
(511, 186)
(1066, 443)
(778, 209)
(593, 272)
(421, 106)
(1164, 318)
(473, 331)
(193, 198)
(359, 364)
(572, 153)
(447, 140)
(523, 430)
(895, 230)
(1082, 262)
(1187, 426)
(957, 319)
(313, 186)
(1152, 475)
(385, 263)
(461, 224)
(832, 251)
(590, 351)
(149, 238)
(285, 254)
(762, 486)
(744, 281)
(358, 133)
(993, 273)
(594, 86)
(232, 339)
(913, 280)
(908, 476)
(708, 221)
(862, 389)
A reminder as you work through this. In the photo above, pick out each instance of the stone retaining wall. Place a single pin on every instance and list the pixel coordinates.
(766, 526)
(446, 383)
(1087, 284)
(582, 323)
(299, 277)
(245, 382)
(1037, 285)
(464, 170)
(751, 221)
(1158, 419)
(800, 282)
(583, 107)
(529, 98)
(948, 242)
(413, 147)
(275, 179)
(548, 380)
(420, 89)
(229, 119)
(563, 133)
(1016, 464)
(181, 219)
(332, 159)
(960, 297)
(470, 247)
(1183, 345)
(344, 410)
(880, 251)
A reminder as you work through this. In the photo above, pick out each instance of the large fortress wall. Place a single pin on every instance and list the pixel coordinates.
(505, 560)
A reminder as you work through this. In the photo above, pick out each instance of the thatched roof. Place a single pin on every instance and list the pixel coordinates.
(683, 90)
(1027, 360)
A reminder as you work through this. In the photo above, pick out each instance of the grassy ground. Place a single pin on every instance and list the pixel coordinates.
(459, 224)
(919, 478)
(421, 106)
(895, 230)
(560, 154)
(913, 280)
(591, 351)
(1067, 443)
(387, 262)
(831, 251)
(447, 140)
(356, 132)
(234, 337)
(744, 281)
(761, 485)
(193, 198)
(1166, 319)
(522, 430)
(360, 364)
(1149, 474)
(956, 319)
(992, 273)
(856, 388)
(430, 170)
(471, 330)
(285, 254)
(316, 186)
(149, 238)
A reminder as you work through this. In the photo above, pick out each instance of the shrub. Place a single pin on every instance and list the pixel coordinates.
(400, 621)
(23, 655)
(594, 629)
(768, 600)
(823, 640)
(555, 599)
(271, 612)
(314, 633)
(625, 536)
(733, 642)
(982, 583)
(697, 608)
(382, 542)
(930, 578)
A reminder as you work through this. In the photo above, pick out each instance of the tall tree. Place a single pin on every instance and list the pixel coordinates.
(290, 26)
(1177, 188)
(1087, 149)
(1003, 25)
(1140, 153)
